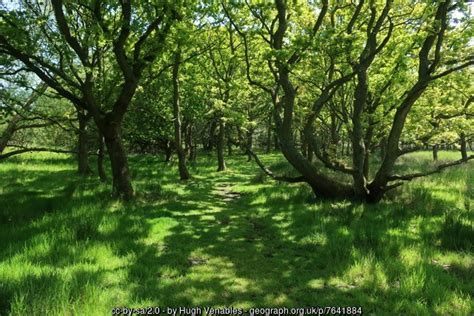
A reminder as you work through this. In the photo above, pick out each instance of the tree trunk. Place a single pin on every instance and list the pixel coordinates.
(378, 185)
(321, 185)
(192, 153)
(183, 171)
(276, 142)
(368, 144)
(435, 152)
(229, 146)
(122, 183)
(310, 152)
(358, 144)
(212, 131)
(100, 159)
(185, 130)
(82, 152)
(220, 146)
(13, 123)
(8, 132)
(190, 144)
(463, 146)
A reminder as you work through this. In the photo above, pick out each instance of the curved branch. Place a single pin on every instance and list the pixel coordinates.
(269, 173)
(40, 149)
(66, 32)
(411, 176)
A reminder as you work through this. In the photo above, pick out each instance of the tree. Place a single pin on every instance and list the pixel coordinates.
(94, 39)
(29, 123)
(347, 51)
(183, 171)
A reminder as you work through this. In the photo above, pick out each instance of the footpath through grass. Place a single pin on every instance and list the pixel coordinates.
(230, 239)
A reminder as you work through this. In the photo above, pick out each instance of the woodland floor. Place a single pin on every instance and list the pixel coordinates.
(232, 238)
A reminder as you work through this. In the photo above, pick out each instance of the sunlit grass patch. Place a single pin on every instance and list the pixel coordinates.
(224, 239)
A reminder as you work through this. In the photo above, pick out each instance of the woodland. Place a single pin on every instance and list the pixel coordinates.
(236, 153)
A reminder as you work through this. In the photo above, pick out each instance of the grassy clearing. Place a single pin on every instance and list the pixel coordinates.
(229, 238)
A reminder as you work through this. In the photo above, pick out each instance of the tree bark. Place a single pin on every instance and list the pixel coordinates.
(183, 171)
(8, 132)
(358, 144)
(435, 152)
(368, 143)
(220, 146)
(310, 152)
(13, 123)
(121, 183)
(463, 146)
(321, 185)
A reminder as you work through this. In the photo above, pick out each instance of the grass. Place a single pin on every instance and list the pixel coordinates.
(230, 239)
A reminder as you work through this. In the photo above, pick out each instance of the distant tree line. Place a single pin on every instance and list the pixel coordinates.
(342, 89)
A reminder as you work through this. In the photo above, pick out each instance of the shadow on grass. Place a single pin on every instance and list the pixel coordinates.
(183, 245)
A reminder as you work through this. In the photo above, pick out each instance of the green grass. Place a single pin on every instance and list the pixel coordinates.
(230, 239)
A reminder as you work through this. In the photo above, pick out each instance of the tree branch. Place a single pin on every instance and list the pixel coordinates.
(411, 176)
(39, 149)
(271, 174)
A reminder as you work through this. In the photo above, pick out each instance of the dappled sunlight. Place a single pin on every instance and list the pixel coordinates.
(220, 240)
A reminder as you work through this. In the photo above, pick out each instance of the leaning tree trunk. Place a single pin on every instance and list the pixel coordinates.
(121, 180)
(220, 146)
(8, 132)
(463, 146)
(321, 185)
(310, 152)
(16, 119)
(183, 171)
(82, 152)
